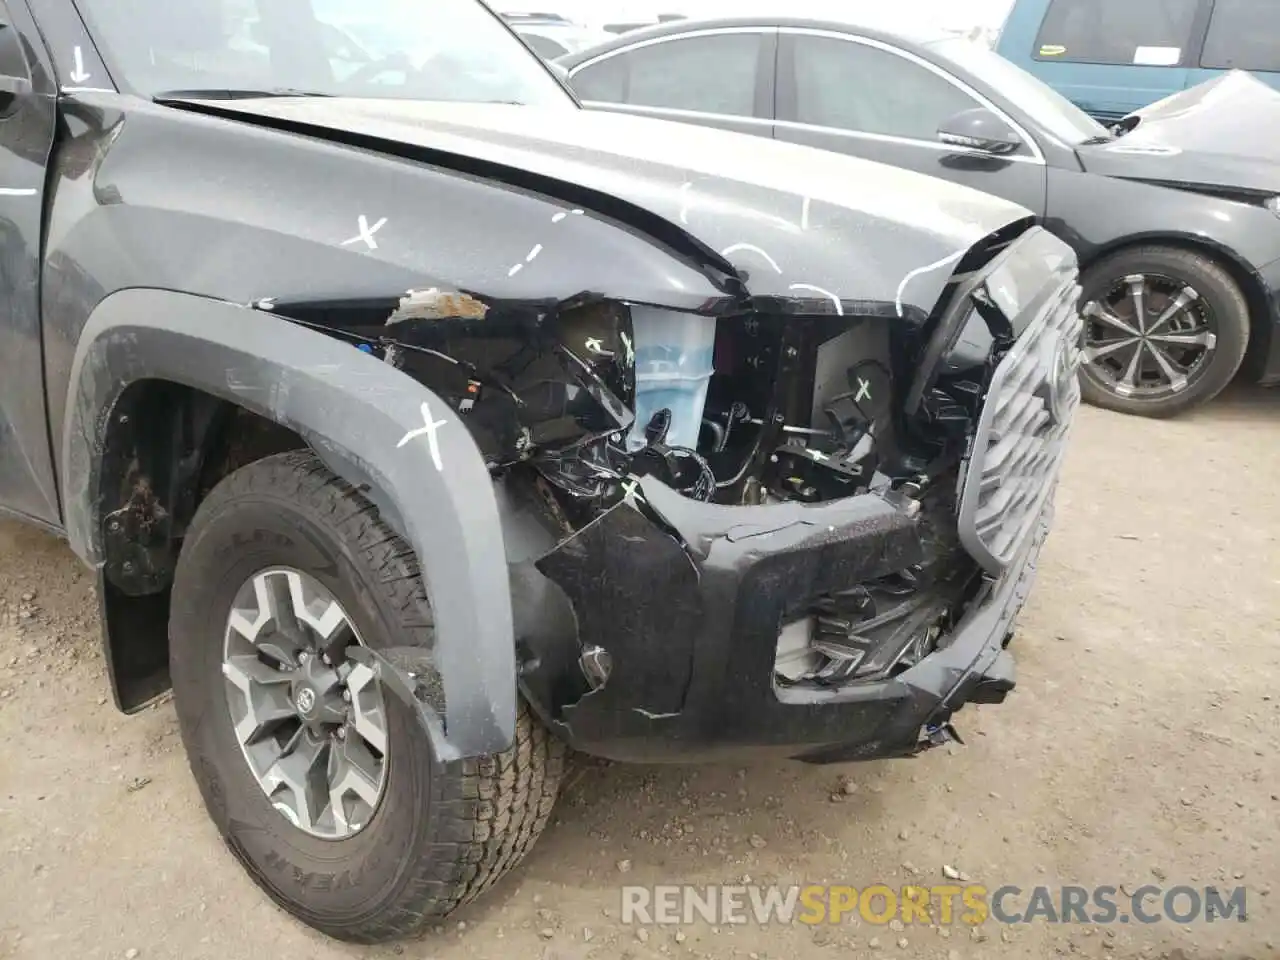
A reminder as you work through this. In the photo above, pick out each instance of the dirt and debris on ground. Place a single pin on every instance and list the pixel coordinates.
(1138, 748)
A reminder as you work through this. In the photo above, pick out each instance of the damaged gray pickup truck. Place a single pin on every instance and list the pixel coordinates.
(420, 426)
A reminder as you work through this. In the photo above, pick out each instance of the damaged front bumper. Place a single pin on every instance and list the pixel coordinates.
(662, 628)
(685, 602)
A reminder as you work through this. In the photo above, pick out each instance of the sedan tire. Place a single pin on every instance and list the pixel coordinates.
(329, 793)
(1165, 330)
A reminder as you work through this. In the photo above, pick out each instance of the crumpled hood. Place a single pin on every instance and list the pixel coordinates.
(797, 223)
(1221, 133)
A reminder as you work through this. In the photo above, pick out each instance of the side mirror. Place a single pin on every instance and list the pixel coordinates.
(979, 129)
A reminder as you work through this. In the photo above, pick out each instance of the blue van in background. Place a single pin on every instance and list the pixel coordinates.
(1112, 57)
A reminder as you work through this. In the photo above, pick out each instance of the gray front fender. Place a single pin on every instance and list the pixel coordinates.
(369, 420)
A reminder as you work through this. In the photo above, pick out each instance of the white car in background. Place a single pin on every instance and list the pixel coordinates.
(551, 35)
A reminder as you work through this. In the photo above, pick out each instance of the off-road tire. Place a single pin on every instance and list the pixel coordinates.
(1223, 296)
(442, 832)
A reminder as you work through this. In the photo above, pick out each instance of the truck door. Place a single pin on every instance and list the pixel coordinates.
(28, 110)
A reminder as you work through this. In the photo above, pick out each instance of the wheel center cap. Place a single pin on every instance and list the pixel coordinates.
(316, 694)
(305, 701)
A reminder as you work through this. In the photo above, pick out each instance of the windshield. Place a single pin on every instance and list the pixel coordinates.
(1055, 113)
(404, 49)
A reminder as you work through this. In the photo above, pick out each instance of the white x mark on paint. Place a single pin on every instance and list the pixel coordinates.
(864, 391)
(366, 232)
(428, 430)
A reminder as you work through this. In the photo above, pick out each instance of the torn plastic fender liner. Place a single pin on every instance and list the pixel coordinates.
(369, 420)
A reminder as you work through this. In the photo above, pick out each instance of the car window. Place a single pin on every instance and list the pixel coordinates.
(1144, 32)
(710, 74)
(1243, 35)
(442, 50)
(605, 81)
(544, 47)
(852, 86)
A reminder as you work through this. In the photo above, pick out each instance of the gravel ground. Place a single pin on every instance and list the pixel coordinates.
(1134, 751)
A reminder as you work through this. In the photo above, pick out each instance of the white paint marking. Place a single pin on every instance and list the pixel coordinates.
(804, 214)
(86, 90)
(826, 293)
(366, 233)
(559, 216)
(516, 269)
(576, 213)
(754, 249)
(17, 192)
(684, 201)
(79, 74)
(897, 299)
(428, 430)
(654, 716)
(537, 249)
(864, 391)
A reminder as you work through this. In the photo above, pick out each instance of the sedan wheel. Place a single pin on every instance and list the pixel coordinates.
(1165, 330)
(1149, 335)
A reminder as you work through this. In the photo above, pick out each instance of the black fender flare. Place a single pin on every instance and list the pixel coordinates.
(370, 422)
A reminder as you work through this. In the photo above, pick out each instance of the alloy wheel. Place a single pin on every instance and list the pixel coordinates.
(1148, 336)
(311, 725)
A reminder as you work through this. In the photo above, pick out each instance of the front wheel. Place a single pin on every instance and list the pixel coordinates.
(326, 790)
(1165, 330)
